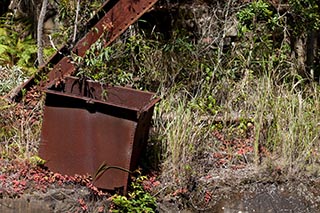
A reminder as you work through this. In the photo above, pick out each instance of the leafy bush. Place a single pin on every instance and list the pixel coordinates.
(254, 12)
(10, 77)
(306, 15)
(138, 201)
(14, 48)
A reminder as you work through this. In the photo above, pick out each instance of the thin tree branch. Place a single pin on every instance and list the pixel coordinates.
(76, 22)
(40, 32)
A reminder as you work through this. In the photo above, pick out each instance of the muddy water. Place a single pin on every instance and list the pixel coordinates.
(262, 202)
(23, 206)
(260, 198)
(268, 198)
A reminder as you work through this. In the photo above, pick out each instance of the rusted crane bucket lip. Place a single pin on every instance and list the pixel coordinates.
(131, 99)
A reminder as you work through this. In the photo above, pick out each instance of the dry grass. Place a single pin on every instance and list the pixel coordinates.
(10, 77)
(287, 122)
(200, 83)
(181, 132)
(20, 128)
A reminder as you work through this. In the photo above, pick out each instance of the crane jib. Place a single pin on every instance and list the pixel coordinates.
(112, 19)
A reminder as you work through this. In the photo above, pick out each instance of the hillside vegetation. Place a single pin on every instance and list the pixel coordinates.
(238, 82)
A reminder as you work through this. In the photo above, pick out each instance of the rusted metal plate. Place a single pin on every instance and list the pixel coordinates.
(114, 95)
(81, 130)
(112, 19)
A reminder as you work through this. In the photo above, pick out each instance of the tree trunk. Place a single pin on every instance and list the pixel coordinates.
(76, 22)
(40, 32)
(310, 52)
(300, 51)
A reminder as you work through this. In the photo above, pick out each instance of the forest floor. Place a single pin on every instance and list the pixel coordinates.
(237, 186)
(26, 188)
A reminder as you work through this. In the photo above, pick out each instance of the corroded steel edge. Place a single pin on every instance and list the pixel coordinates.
(116, 20)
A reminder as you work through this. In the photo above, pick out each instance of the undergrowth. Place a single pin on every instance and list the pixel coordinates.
(251, 85)
(138, 200)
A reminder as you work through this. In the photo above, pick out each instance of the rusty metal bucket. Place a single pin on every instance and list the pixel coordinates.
(86, 124)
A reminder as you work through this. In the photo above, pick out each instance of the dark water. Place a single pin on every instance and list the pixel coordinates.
(263, 202)
(272, 200)
(267, 199)
(22, 206)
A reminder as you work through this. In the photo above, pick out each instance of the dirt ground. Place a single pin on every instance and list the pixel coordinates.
(220, 186)
(28, 188)
(247, 191)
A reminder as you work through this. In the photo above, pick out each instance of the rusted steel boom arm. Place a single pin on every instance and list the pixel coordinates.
(116, 17)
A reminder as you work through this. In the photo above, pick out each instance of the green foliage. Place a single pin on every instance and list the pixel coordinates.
(15, 49)
(138, 200)
(67, 12)
(264, 44)
(253, 79)
(95, 66)
(286, 120)
(10, 77)
(67, 9)
(256, 11)
(306, 15)
(145, 63)
(179, 44)
(258, 18)
(37, 161)
(206, 104)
